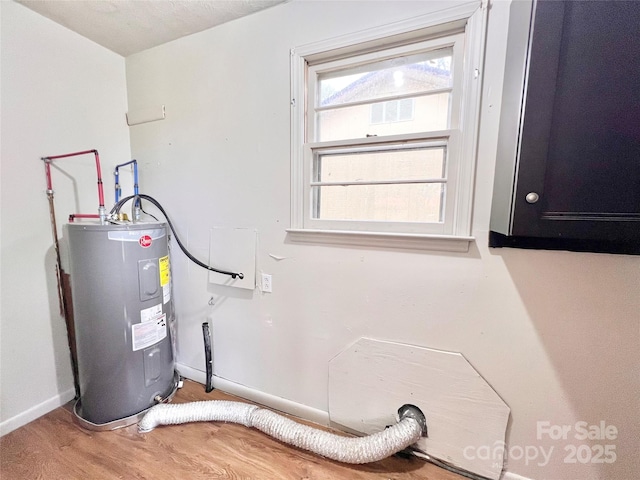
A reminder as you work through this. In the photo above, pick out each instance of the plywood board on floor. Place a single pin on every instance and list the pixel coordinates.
(371, 379)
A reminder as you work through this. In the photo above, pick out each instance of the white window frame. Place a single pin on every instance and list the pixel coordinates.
(455, 233)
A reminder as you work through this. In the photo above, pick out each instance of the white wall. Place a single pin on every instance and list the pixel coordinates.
(60, 93)
(555, 333)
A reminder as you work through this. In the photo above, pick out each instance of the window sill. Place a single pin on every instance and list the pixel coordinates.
(443, 243)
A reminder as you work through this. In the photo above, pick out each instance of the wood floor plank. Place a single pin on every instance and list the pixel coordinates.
(55, 447)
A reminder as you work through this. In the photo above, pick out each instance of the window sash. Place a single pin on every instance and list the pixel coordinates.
(423, 54)
(468, 19)
(448, 139)
(313, 148)
(454, 41)
(379, 148)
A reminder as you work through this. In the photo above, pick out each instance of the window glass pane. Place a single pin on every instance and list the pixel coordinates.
(405, 109)
(391, 203)
(408, 164)
(416, 73)
(430, 113)
(377, 112)
(391, 112)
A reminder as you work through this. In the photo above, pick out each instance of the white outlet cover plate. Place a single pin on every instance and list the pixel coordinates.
(266, 283)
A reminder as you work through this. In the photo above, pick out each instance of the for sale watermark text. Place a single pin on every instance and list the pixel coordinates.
(582, 431)
(583, 443)
(579, 431)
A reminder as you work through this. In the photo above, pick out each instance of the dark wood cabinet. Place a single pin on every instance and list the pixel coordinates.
(572, 86)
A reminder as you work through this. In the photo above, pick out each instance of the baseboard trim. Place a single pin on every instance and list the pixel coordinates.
(29, 415)
(272, 401)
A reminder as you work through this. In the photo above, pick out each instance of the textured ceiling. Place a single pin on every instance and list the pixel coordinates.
(130, 26)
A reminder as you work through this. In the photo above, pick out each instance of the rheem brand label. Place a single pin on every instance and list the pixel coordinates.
(145, 241)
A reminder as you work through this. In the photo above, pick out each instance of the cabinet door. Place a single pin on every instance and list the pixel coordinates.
(578, 174)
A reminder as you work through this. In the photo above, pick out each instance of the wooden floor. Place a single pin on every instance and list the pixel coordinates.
(55, 447)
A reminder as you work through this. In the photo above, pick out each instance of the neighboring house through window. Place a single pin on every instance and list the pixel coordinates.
(392, 111)
(384, 128)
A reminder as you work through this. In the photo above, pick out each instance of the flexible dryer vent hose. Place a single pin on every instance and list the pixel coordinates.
(343, 449)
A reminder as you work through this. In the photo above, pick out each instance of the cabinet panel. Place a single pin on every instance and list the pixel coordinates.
(576, 179)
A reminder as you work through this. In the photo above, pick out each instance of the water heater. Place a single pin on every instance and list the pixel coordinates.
(123, 314)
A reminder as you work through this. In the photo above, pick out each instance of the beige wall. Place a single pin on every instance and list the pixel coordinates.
(555, 333)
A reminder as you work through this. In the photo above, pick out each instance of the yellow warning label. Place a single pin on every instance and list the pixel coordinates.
(165, 271)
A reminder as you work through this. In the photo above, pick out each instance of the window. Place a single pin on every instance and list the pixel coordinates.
(392, 111)
(384, 131)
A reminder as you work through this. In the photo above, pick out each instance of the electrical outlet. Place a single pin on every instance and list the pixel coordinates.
(266, 283)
